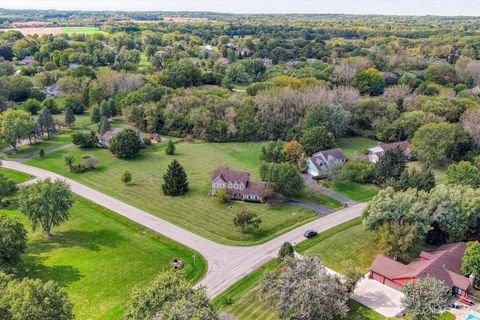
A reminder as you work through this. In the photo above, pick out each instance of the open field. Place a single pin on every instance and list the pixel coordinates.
(55, 30)
(99, 257)
(196, 211)
(15, 176)
(353, 190)
(83, 30)
(355, 146)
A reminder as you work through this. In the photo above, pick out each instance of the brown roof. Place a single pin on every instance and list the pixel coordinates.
(230, 175)
(403, 145)
(107, 136)
(337, 153)
(443, 264)
(255, 188)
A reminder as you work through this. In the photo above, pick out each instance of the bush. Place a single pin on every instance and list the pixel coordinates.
(360, 171)
(170, 149)
(223, 196)
(41, 153)
(84, 139)
(32, 106)
(126, 177)
(286, 250)
(125, 145)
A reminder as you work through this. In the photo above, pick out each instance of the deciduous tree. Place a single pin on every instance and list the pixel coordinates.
(317, 139)
(125, 145)
(471, 260)
(14, 125)
(273, 152)
(46, 204)
(305, 288)
(13, 238)
(246, 219)
(284, 177)
(425, 298)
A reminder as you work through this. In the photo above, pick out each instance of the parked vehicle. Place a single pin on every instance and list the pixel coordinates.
(310, 233)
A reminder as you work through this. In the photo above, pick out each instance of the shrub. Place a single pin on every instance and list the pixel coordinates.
(223, 196)
(170, 149)
(41, 153)
(126, 177)
(84, 139)
(286, 250)
(360, 171)
(125, 145)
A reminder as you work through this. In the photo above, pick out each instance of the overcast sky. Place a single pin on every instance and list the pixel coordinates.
(391, 7)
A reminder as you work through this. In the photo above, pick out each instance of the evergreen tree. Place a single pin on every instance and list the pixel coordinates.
(391, 165)
(170, 150)
(96, 115)
(45, 122)
(69, 117)
(175, 181)
(103, 126)
(286, 250)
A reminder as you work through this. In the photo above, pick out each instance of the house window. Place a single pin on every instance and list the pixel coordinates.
(230, 185)
(235, 186)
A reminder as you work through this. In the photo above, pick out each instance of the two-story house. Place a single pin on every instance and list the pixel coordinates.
(237, 184)
(375, 153)
(323, 160)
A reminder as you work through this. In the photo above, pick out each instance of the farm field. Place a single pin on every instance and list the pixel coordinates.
(15, 176)
(99, 257)
(196, 211)
(85, 30)
(55, 30)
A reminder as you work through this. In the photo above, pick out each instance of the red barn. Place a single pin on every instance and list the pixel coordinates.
(443, 264)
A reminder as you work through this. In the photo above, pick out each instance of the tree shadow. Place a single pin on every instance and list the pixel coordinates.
(90, 240)
(34, 267)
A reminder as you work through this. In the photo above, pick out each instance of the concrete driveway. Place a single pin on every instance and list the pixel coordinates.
(378, 297)
(226, 264)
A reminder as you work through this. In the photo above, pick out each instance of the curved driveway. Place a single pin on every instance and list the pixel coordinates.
(226, 264)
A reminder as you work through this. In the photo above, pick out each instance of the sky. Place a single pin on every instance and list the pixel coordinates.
(388, 7)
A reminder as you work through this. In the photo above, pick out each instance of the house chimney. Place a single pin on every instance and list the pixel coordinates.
(471, 279)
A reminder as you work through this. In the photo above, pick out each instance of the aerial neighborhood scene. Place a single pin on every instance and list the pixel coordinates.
(240, 160)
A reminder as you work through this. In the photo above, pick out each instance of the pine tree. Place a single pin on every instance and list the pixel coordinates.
(426, 179)
(96, 115)
(46, 122)
(69, 117)
(175, 181)
(170, 150)
(103, 126)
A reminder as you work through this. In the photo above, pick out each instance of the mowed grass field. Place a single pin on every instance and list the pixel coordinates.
(15, 176)
(84, 30)
(99, 257)
(196, 211)
(355, 146)
(349, 241)
(353, 190)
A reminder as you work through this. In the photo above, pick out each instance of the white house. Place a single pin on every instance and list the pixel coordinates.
(323, 160)
(375, 153)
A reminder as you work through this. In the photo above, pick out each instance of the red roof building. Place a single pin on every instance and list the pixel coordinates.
(444, 264)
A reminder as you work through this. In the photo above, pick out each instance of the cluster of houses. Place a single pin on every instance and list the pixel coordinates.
(240, 187)
(323, 161)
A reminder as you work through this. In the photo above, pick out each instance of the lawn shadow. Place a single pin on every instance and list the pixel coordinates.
(90, 240)
(34, 267)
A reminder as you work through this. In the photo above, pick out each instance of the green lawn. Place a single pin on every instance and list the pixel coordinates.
(243, 300)
(355, 146)
(195, 211)
(99, 257)
(348, 241)
(318, 198)
(82, 123)
(15, 176)
(79, 30)
(355, 191)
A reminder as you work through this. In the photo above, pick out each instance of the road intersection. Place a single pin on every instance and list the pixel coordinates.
(226, 264)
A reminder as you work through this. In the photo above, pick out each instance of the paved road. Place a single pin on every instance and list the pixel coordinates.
(311, 183)
(35, 155)
(226, 264)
